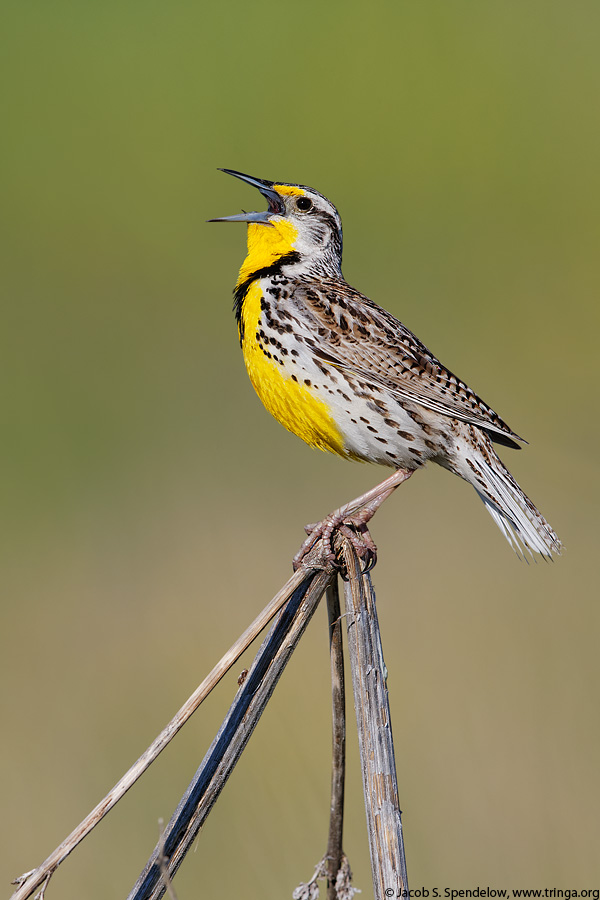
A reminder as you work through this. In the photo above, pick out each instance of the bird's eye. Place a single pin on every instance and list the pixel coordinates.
(304, 203)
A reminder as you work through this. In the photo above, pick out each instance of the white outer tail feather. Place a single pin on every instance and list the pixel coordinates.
(513, 512)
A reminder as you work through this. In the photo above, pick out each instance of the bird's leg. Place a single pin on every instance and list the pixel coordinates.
(352, 519)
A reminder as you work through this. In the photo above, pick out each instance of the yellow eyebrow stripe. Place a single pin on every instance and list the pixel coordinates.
(288, 190)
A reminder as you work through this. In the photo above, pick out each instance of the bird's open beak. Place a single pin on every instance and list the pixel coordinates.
(276, 206)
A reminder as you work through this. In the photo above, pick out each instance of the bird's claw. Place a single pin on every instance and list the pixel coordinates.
(352, 527)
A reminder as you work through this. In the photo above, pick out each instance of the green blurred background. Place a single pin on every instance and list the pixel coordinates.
(150, 506)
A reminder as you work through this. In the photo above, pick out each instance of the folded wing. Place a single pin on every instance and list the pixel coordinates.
(367, 341)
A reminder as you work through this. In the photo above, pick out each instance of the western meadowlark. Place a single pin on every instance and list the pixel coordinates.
(346, 376)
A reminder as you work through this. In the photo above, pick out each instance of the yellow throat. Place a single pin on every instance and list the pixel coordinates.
(266, 245)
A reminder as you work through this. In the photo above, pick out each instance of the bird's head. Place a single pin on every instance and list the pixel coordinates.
(301, 230)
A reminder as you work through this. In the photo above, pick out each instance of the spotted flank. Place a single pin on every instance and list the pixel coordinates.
(346, 376)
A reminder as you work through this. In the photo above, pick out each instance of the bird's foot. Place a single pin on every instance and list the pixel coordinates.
(351, 521)
(353, 527)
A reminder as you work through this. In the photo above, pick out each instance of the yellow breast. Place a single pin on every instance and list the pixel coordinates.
(291, 403)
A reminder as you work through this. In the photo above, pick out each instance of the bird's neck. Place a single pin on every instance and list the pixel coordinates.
(268, 245)
(273, 249)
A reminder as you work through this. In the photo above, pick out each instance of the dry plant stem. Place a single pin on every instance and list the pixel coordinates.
(162, 862)
(384, 824)
(338, 766)
(38, 876)
(234, 733)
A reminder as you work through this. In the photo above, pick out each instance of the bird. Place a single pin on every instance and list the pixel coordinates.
(346, 376)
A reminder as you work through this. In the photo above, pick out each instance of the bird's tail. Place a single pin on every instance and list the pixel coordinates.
(520, 522)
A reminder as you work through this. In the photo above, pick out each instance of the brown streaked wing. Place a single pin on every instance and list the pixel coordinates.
(372, 344)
